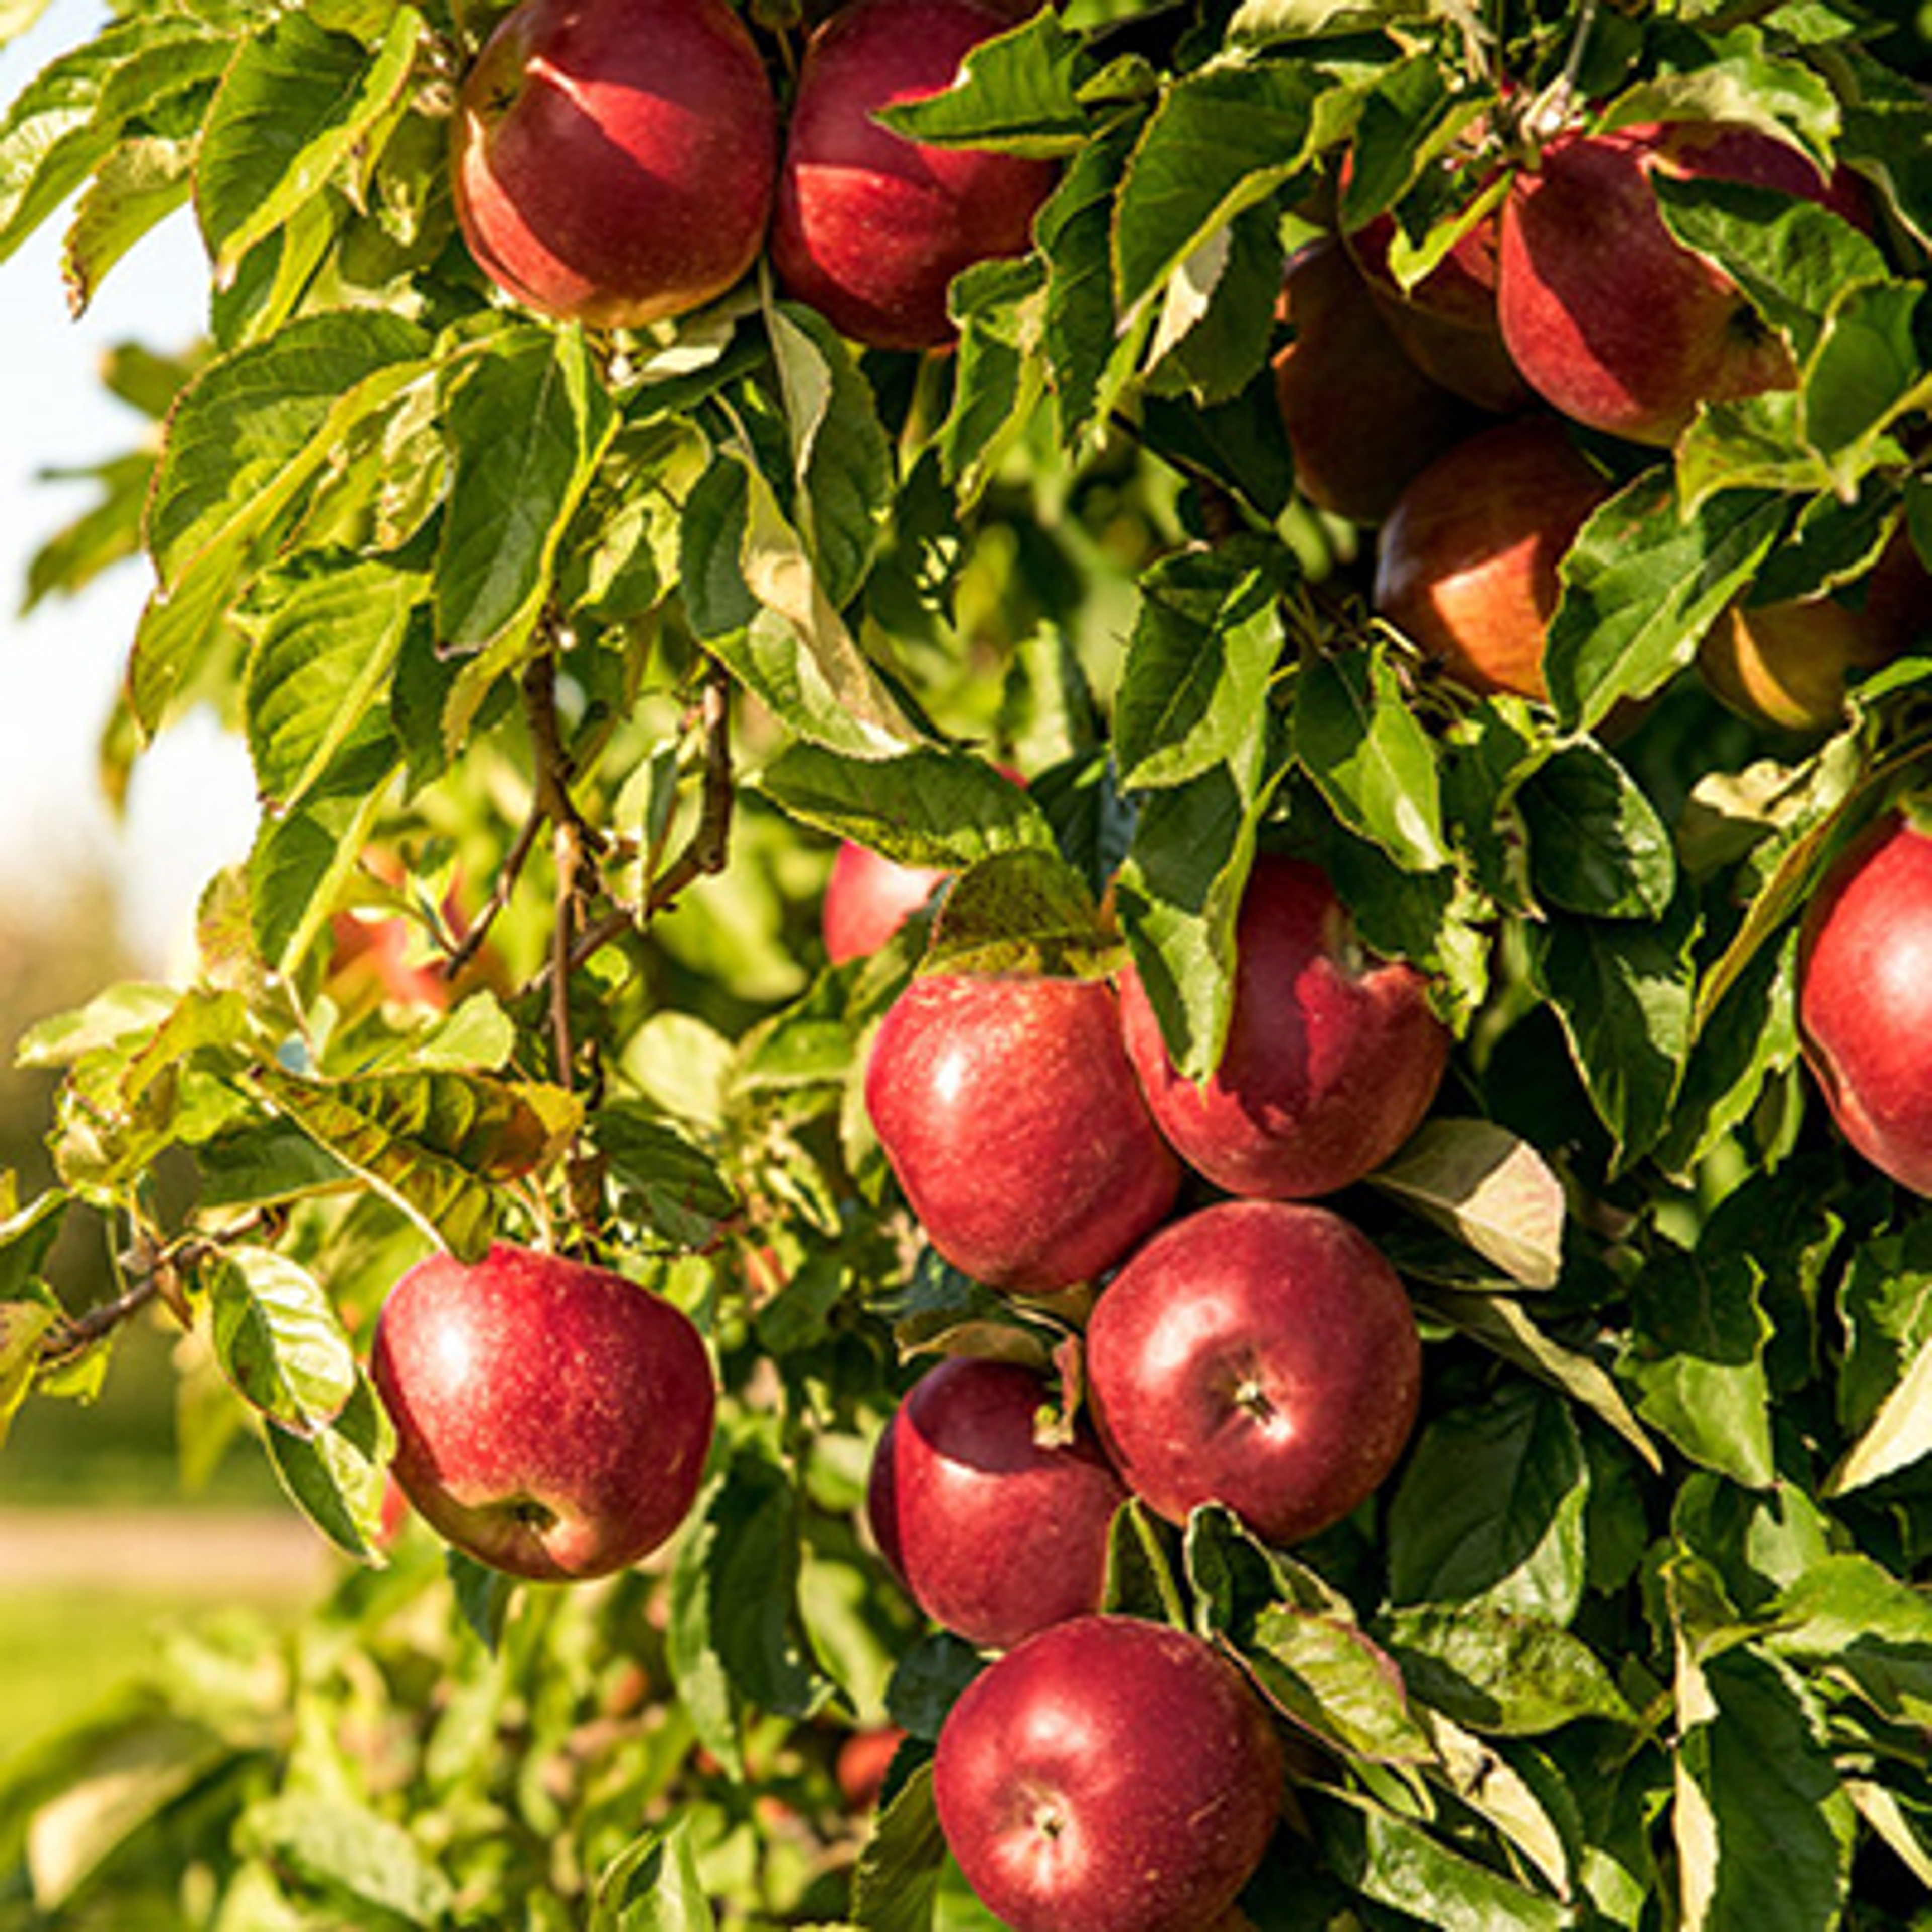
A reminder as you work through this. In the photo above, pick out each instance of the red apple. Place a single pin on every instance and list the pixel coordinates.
(1333, 1056)
(1109, 1775)
(994, 1534)
(1788, 663)
(1606, 317)
(552, 1418)
(1261, 1354)
(614, 160)
(1447, 322)
(867, 898)
(1006, 1107)
(1864, 997)
(871, 228)
(1361, 419)
(864, 1761)
(1467, 564)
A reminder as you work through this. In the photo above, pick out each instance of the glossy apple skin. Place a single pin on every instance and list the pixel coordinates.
(1788, 664)
(1261, 1354)
(870, 228)
(1467, 563)
(867, 898)
(1606, 315)
(993, 1533)
(1865, 997)
(552, 1418)
(613, 161)
(1006, 1107)
(1333, 1056)
(1446, 323)
(1361, 419)
(1109, 1775)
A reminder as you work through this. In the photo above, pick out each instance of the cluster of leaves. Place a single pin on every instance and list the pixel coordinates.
(571, 654)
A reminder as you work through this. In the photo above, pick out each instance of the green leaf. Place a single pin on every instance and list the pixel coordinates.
(1223, 140)
(1500, 1672)
(337, 1475)
(137, 187)
(1643, 580)
(1597, 844)
(653, 1884)
(1763, 1828)
(279, 1340)
(1489, 1187)
(29, 1307)
(998, 306)
(1490, 1509)
(1085, 354)
(528, 424)
(1238, 444)
(434, 1143)
(323, 660)
(898, 1874)
(680, 1193)
(1023, 910)
(1623, 992)
(368, 1863)
(1898, 1436)
(1329, 1678)
(1696, 1358)
(1356, 736)
(483, 1596)
(841, 461)
(293, 111)
(1017, 93)
(929, 807)
(1200, 664)
(1400, 1863)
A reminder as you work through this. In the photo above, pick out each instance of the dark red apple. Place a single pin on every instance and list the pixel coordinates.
(1467, 564)
(552, 1418)
(867, 898)
(1333, 1056)
(1864, 997)
(1109, 1775)
(871, 228)
(1006, 1107)
(1606, 317)
(1261, 1354)
(614, 160)
(1447, 324)
(1789, 663)
(995, 1533)
(1361, 418)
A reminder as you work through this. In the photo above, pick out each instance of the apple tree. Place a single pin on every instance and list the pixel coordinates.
(650, 462)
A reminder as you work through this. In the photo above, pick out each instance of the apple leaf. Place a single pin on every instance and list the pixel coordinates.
(1236, 444)
(1330, 1678)
(929, 807)
(1623, 991)
(259, 1162)
(897, 1879)
(654, 1885)
(373, 1864)
(999, 307)
(1642, 583)
(29, 1307)
(1223, 139)
(675, 1188)
(1524, 1811)
(1200, 665)
(322, 660)
(1785, 99)
(336, 1474)
(1597, 844)
(293, 111)
(278, 1338)
(138, 186)
(1356, 737)
(1398, 1862)
(433, 1143)
(1898, 1436)
(1024, 910)
(1696, 1358)
(528, 425)
(1017, 93)
(1507, 1330)
(1500, 1672)
(1489, 1187)
(1140, 1575)
(1490, 1509)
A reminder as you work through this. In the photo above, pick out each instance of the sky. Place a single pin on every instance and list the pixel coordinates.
(190, 809)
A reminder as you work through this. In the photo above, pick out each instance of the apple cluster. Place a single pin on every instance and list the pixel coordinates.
(1468, 415)
(1243, 1344)
(619, 162)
